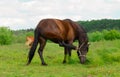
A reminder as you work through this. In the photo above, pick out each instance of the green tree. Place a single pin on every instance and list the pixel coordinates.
(5, 36)
(99, 25)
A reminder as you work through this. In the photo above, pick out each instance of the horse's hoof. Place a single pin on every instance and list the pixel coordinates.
(64, 62)
(27, 63)
(44, 64)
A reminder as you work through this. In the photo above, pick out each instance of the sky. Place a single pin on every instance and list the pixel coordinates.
(26, 14)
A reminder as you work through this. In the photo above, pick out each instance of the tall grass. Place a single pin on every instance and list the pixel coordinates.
(103, 60)
(105, 52)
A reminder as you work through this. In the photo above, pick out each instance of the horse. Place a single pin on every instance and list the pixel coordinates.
(64, 33)
(29, 41)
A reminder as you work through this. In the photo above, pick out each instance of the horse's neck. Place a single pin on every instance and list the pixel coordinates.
(83, 38)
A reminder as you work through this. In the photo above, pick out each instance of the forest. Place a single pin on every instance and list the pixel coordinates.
(99, 25)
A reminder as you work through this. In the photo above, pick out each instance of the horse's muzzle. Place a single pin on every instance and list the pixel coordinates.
(82, 59)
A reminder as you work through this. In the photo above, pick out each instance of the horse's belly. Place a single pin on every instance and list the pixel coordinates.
(53, 36)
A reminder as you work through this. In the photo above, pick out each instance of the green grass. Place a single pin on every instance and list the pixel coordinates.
(103, 60)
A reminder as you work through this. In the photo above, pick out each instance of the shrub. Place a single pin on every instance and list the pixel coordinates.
(5, 36)
(104, 35)
(31, 33)
(95, 36)
(111, 35)
(20, 35)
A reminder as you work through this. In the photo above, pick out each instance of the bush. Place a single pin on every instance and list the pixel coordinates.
(20, 35)
(95, 36)
(5, 36)
(111, 35)
(104, 35)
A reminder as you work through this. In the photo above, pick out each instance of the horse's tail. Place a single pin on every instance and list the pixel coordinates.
(34, 46)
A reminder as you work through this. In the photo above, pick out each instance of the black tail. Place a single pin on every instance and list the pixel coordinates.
(34, 46)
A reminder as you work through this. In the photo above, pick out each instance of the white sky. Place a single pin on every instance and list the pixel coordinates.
(22, 14)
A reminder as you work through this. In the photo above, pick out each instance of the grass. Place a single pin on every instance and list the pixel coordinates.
(103, 60)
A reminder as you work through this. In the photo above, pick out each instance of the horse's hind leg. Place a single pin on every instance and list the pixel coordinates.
(40, 51)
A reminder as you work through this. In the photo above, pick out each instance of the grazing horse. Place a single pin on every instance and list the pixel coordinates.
(29, 41)
(62, 32)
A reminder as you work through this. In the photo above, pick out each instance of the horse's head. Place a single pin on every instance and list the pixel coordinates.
(82, 51)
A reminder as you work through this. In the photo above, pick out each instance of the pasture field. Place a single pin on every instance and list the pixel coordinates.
(103, 60)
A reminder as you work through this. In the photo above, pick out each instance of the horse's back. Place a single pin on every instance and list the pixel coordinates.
(56, 29)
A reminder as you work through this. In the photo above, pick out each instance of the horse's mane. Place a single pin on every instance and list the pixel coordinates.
(75, 23)
(81, 29)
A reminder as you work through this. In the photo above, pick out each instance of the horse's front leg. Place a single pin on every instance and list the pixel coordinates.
(68, 45)
(69, 52)
(40, 51)
(65, 54)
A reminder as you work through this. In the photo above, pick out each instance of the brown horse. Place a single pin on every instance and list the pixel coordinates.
(62, 32)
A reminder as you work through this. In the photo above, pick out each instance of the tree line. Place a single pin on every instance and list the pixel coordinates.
(99, 25)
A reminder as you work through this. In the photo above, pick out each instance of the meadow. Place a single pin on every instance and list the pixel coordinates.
(103, 60)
